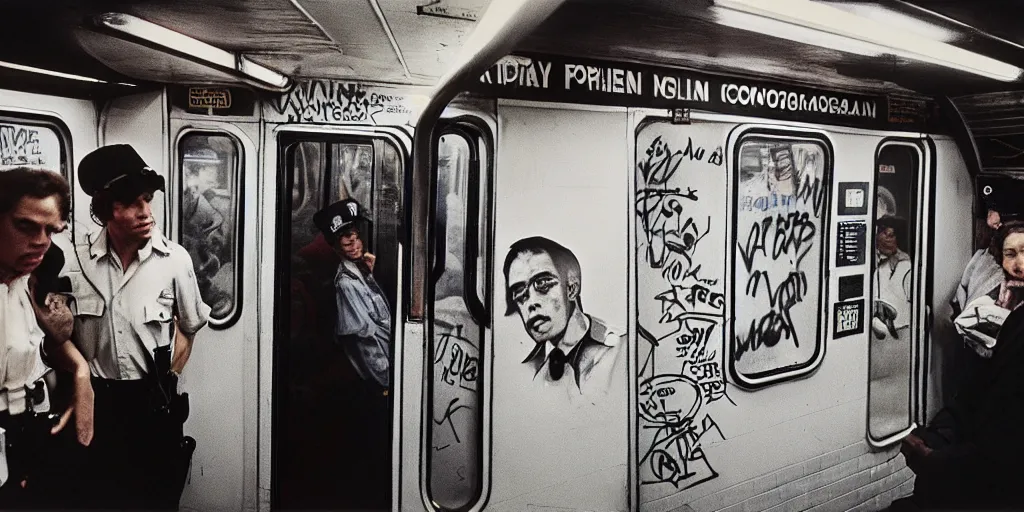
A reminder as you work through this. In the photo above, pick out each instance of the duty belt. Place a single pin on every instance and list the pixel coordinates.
(27, 398)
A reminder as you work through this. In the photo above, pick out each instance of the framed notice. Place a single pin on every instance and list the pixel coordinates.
(851, 287)
(848, 319)
(852, 240)
(853, 198)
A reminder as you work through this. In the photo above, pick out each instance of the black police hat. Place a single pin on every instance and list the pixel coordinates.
(117, 167)
(1002, 194)
(333, 219)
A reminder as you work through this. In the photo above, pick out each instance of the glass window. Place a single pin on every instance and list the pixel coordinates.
(891, 350)
(782, 186)
(210, 218)
(30, 145)
(455, 452)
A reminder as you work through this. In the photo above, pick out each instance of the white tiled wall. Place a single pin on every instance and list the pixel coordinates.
(854, 478)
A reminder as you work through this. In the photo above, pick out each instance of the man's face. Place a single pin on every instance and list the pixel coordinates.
(886, 241)
(351, 245)
(133, 221)
(1013, 255)
(544, 300)
(26, 232)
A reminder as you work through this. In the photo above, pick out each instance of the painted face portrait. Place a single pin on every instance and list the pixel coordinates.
(542, 297)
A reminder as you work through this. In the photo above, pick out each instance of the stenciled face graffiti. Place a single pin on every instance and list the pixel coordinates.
(543, 284)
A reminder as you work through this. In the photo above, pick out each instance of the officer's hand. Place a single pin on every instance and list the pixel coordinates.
(55, 317)
(82, 407)
(370, 259)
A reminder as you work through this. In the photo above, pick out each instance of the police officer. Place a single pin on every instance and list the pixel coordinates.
(363, 329)
(364, 319)
(34, 204)
(137, 302)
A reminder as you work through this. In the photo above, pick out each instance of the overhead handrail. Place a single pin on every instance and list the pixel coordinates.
(503, 25)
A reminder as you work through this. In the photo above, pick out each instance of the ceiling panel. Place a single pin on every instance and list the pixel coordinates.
(431, 42)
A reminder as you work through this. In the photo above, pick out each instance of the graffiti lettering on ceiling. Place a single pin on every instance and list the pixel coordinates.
(328, 102)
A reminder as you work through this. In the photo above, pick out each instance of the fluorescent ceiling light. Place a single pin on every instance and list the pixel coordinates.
(882, 14)
(50, 72)
(836, 22)
(174, 42)
(796, 33)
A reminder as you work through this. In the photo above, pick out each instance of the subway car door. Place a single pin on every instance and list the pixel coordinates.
(211, 193)
(900, 292)
(331, 422)
(446, 403)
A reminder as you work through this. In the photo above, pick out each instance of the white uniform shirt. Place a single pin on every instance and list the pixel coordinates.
(21, 362)
(121, 316)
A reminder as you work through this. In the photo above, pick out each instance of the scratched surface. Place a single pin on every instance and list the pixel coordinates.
(680, 211)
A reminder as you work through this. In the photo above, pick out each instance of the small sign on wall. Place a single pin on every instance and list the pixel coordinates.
(848, 319)
(852, 242)
(853, 198)
(851, 287)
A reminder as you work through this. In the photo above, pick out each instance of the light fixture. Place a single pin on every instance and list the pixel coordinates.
(880, 13)
(50, 72)
(795, 33)
(169, 41)
(850, 31)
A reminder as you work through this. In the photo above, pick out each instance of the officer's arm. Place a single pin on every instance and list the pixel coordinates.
(191, 313)
(182, 349)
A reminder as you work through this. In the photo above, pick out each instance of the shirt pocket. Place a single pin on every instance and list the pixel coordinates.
(88, 302)
(157, 311)
(155, 328)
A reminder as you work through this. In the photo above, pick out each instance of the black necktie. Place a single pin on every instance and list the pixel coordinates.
(556, 363)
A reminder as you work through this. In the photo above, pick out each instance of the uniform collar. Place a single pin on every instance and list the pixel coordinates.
(99, 244)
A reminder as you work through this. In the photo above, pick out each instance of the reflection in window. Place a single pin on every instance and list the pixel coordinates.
(891, 377)
(455, 451)
(210, 171)
(782, 185)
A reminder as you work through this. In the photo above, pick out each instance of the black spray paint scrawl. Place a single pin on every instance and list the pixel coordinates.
(543, 286)
(680, 374)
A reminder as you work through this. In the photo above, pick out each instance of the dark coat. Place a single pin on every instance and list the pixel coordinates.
(978, 439)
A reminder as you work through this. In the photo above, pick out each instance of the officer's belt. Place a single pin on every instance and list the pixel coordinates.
(29, 396)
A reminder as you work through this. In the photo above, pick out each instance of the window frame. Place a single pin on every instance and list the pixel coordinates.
(478, 217)
(239, 246)
(918, 278)
(736, 139)
(67, 168)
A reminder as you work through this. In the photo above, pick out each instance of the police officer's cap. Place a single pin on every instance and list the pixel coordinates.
(333, 219)
(117, 168)
(1002, 194)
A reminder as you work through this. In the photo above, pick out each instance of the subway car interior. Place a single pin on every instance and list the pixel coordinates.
(771, 210)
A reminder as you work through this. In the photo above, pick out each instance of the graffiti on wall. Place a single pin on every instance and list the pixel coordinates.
(778, 239)
(454, 468)
(680, 372)
(331, 102)
(20, 145)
